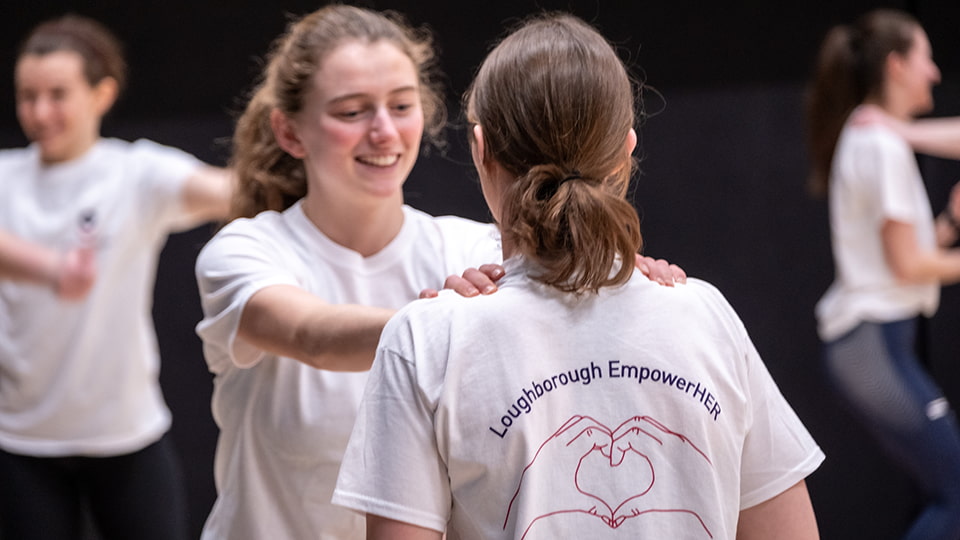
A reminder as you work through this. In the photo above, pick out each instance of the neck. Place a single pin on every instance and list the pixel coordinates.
(365, 230)
(892, 104)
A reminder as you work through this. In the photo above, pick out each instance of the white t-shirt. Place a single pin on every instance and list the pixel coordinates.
(642, 412)
(81, 378)
(874, 178)
(284, 425)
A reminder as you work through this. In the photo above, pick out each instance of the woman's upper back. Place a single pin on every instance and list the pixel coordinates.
(525, 395)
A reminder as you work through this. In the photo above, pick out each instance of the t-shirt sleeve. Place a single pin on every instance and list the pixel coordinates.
(392, 466)
(778, 451)
(162, 172)
(896, 172)
(235, 264)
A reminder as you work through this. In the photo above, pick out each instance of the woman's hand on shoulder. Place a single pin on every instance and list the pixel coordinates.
(660, 271)
(473, 281)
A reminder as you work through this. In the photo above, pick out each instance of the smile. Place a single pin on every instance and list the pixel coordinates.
(379, 161)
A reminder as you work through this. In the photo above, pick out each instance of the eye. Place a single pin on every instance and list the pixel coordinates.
(26, 97)
(404, 107)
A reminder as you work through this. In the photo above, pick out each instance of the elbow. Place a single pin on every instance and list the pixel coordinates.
(311, 349)
(902, 273)
(906, 274)
(330, 355)
(912, 271)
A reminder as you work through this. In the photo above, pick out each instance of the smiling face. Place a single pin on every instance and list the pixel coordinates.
(57, 107)
(361, 124)
(919, 74)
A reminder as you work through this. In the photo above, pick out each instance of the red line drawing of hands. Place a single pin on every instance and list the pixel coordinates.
(548, 484)
(666, 451)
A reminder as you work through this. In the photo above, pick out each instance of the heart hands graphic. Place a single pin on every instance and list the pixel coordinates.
(586, 467)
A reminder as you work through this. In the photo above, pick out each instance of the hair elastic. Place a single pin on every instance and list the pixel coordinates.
(575, 175)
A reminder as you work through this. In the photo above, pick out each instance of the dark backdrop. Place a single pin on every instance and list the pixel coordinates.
(721, 192)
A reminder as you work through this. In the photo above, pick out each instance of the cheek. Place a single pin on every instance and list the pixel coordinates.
(411, 128)
(334, 137)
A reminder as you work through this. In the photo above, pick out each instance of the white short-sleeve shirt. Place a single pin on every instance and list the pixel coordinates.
(283, 425)
(81, 378)
(641, 412)
(874, 178)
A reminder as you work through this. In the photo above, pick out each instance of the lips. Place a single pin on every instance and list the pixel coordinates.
(380, 161)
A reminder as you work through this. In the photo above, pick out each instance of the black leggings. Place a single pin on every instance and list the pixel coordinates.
(138, 495)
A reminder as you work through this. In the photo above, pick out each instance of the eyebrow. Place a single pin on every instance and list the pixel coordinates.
(360, 95)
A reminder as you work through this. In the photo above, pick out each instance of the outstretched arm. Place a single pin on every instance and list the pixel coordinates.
(788, 516)
(288, 321)
(938, 137)
(934, 136)
(70, 274)
(206, 195)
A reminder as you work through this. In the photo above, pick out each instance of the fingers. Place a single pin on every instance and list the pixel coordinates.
(474, 281)
(77, 273)
(428, 293)
(679, 276)
(462, 285)
(584, 434)
(660, 271)
(493, 271)
(483, 279)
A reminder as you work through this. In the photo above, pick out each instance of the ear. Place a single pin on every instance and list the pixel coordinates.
(105, 94)
(476, 149)
(894, 66)
(285, 131)
(631, 143)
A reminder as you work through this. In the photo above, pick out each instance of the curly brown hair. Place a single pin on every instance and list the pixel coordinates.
(269, 178)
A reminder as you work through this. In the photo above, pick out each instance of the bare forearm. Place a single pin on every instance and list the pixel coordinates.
(288, 321)
(343, 338)
(911, 263)
(206, 194)
(935, 136)
(23, 261)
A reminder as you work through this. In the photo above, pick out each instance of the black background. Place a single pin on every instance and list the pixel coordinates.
(721, 190)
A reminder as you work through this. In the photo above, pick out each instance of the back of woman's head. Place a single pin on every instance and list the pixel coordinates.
(556, 106)
(101, 51)
(850, 68)
(271, 179)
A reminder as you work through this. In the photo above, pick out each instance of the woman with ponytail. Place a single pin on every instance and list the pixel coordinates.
(321, 252)
(580, 400)
(891, 255)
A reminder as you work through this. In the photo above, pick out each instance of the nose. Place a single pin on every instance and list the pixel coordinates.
(41, 109)
(382, 127)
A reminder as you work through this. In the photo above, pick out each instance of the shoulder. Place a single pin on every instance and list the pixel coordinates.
(144, 153)
(243, 236)
(697, 304)
(263, 226)
(430, 318)
(876, 138)
(449, 225)
(14, 157)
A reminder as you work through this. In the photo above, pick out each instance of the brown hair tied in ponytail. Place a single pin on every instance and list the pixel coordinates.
(556, 106)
